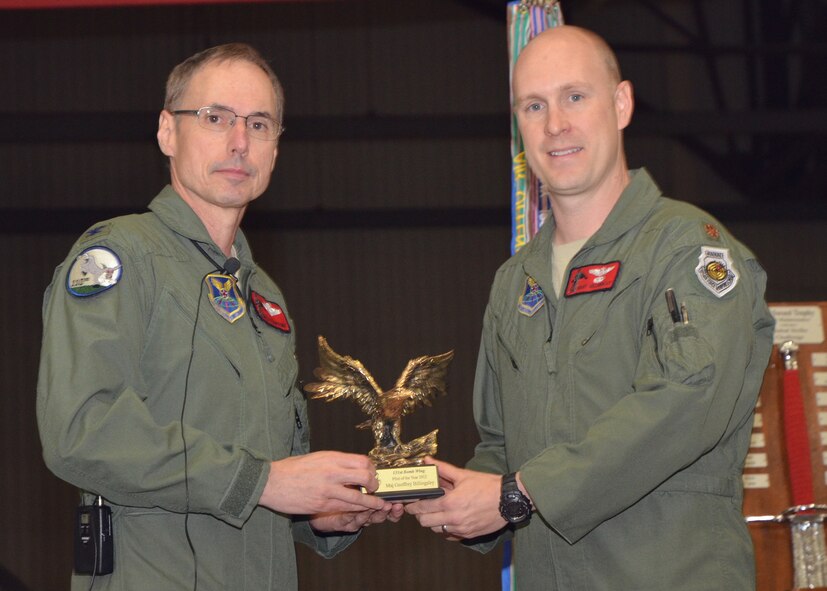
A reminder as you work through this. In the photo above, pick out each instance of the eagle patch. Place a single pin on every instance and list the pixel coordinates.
(222, 290)
(532, 299)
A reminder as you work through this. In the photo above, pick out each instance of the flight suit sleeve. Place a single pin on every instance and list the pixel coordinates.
(693, 392)
(326, 545)
(489, 455)
(95, 426)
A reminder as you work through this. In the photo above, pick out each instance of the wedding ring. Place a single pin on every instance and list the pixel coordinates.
(445, 529)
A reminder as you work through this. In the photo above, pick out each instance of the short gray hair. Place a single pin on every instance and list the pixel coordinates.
(180, 76)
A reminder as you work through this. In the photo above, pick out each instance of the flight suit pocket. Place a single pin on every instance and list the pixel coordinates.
(188, 358)
(521, 395)
(603, 328)
(288, 406)
(686, 357)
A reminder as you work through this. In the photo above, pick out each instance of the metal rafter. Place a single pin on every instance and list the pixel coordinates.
(778, 49)
(782, 52)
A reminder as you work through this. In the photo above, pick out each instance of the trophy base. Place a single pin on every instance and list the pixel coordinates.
(408, 483)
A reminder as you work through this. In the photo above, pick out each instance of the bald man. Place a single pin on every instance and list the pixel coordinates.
(622, 353)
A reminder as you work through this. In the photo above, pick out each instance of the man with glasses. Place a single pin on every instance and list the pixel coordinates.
(167, 387)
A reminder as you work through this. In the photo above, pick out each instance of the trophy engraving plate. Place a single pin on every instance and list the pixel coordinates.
(400, 468)
(408, 483)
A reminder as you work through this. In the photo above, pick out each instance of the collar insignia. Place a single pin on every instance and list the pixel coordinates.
(716, 271)
(224, 296)
(591, 278)
(712, 231)
(270, 312)
(532, 299)
(94, 270)
(97, 231)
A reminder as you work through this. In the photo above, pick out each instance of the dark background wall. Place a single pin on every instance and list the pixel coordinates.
(388, 212)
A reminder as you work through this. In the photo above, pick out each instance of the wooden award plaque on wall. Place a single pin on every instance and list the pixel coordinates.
(767, 489)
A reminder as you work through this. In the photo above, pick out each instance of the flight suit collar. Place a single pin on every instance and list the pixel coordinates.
(537, 262)
(179, 217)
(635, 202)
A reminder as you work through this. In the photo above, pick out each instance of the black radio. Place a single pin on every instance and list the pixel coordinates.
(94, 547)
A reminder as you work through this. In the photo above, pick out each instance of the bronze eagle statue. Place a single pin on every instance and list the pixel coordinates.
(422, 380)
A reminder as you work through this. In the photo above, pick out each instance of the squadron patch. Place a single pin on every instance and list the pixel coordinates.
(224, 296)
(532, 299)
(93, 271)
(270, 312)
(716, 271)
(592, 278)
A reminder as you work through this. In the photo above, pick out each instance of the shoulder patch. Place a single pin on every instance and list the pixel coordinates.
(532, 299)
(715, 270)
(591, 278)
(94, 270)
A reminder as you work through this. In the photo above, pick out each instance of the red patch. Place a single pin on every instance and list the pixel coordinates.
(592, 278)
(270, 312)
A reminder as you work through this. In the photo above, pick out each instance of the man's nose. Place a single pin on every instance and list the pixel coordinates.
(239, 136)
(556, 122)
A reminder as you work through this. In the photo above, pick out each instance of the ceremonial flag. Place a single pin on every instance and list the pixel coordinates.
(529, 203)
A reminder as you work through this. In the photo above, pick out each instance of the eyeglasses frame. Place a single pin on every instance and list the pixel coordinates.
(197, 113)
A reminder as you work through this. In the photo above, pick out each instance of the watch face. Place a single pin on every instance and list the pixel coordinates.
(514, 508)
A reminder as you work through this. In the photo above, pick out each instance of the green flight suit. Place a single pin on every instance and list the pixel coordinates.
(629, 429)
(122, 370)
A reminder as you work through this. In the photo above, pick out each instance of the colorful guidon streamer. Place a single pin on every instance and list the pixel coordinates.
(529, 204)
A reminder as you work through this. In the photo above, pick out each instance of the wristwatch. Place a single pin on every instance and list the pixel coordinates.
(514, 505)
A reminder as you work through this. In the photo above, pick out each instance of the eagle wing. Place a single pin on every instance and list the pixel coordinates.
(222, 285)
(422, 380)
(344, 377)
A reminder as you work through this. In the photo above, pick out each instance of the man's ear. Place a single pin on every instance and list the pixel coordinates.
(166, 133)
(275, 156)
(624, 104)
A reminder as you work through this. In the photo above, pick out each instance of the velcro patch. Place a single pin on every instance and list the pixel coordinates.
(224, 296)
(270, 312)
(592, 278)
(532, 299)
(715, 270)
(93, 271)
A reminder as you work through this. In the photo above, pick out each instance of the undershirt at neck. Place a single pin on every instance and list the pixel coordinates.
(561, 255)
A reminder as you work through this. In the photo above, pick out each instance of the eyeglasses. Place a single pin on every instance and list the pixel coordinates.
(220, 119)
